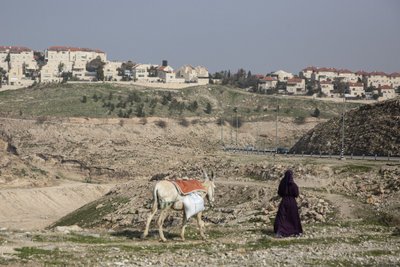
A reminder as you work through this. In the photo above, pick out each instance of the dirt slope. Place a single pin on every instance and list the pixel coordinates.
(36, 208)
(369, 129)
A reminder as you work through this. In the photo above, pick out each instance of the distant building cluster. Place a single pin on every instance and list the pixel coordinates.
(22, 66)
(331, 82)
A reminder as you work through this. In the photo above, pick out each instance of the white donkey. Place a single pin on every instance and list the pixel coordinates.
(166, 196)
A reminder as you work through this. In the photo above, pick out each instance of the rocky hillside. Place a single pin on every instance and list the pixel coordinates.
(370, 129)
(16, 171)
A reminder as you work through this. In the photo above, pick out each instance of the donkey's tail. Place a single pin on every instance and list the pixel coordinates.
(155, 199)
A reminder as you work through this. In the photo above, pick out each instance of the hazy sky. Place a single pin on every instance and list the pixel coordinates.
(258, 35)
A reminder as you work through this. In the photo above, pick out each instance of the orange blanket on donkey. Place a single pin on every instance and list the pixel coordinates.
(186, 187)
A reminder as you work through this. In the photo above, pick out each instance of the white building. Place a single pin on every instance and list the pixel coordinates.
(395, 79)
(356, 89)
(281, 75)
(306, 73)
(20, 63)
(324, 74)
(327, 88)
(348, 76)
(70, 59)
(192, 74)
(377, 79)
(267, 83)
(145, 73)
(386, 92)
(111, 70)
(296, 86)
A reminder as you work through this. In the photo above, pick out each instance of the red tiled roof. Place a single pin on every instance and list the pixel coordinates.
(395, 74)
(326, 70)
(269, 79)
(345, 71)
(386, 87)
(377, 73)
(325, 82)
(356, 84)
(259, 76)
(294, 80)
(311, 68)
(15, 49)
(363, 73)
(74, 49)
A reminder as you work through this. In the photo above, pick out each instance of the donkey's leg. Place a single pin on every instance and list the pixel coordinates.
(149, 218)
(200, 223)
(184, 223)
(160, 223)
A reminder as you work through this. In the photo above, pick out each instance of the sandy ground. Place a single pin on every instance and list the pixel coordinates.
(36, 208)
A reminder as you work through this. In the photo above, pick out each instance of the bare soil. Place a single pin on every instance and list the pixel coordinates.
(63, 164)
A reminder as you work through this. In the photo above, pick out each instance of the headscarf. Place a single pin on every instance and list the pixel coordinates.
(285, 182)
(288, 176)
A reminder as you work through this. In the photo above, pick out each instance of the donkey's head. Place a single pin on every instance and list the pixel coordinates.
(210, 187)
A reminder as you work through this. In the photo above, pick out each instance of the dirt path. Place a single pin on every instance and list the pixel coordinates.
(35, 208)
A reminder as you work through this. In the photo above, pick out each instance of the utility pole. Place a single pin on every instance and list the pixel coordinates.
(344, 112)
(222, 131)
(276, 125)
(237, 126)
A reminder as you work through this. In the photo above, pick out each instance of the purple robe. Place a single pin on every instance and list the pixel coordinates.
(287, 221)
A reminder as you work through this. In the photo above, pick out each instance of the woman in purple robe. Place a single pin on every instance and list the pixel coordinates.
(287, 221)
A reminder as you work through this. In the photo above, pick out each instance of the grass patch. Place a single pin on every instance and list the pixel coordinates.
(111, 101)
(31, 252)
(382, 219)
(266, 243)
(74, 238)
(330, 263)
(378, 252)
(91, 214)
(165, 248)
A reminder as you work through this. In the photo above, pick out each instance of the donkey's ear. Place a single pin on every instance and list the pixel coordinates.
(205, 175)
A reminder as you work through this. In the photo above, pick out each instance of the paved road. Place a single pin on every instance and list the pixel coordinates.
(272, 152)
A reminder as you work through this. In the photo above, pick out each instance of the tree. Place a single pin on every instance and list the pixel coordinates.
(96, 65)
(61, 67)
(2, 74)
(126, 68)
(100, 73)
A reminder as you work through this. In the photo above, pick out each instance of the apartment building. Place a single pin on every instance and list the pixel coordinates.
(356, 89)
(327, 88)
(69, 59)
(3, 57)
(386, 92)
(281, 75)
(111, 70)
(296, 86)
(394, 79)
(145, 73)
(348, 76)
(306, 73)
(192, 74)
(20, 64)
(324, 74)
(267, 83)
(376, 79)
(166, 74)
